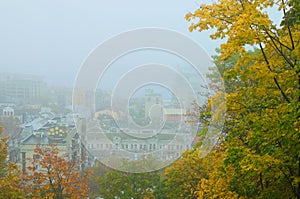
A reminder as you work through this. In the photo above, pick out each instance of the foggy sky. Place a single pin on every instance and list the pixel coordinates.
(53, 38)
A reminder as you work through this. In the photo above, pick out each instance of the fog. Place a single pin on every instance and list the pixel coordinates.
(53, 38)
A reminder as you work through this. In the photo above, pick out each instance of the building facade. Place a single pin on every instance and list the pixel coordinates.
(23, 89)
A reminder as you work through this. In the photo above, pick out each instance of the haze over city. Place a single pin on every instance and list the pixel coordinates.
(53, 38)
(161, 99)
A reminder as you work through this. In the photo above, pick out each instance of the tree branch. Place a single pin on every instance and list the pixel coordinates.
(274, 78)
(288, 26)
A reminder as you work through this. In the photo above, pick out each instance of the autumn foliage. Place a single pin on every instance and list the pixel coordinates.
(53, 175)
(261, 131)
(9, 174)
(258, 152)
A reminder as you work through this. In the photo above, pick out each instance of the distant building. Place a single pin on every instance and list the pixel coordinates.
(167, 144)
(23, 89)
(61, 96)
(8, 112)
(62, 139)
(49, 130)
(174, 115)
(153, 100)
(84, 102)
(10, 119)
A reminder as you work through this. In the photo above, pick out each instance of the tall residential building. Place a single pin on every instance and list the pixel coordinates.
(19, 88)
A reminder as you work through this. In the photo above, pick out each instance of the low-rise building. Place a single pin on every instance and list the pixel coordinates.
(58, 131)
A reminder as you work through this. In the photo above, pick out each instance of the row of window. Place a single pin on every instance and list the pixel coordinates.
(137, 146)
